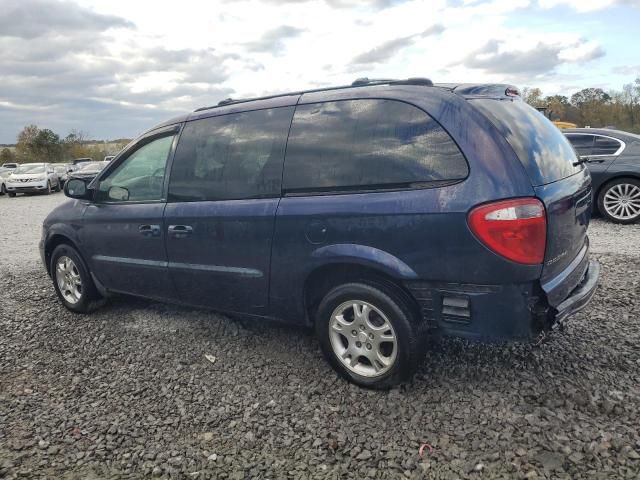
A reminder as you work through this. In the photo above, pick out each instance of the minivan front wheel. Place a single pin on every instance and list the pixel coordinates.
(368, 335)
(72, 281)
(619, 200)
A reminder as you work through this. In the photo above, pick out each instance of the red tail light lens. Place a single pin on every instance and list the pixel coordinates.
(515, 229)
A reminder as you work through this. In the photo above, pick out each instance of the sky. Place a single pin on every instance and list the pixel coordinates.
(114, 68)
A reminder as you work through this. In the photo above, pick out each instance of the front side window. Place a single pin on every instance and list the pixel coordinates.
(605, 146)
(231, 157)
(583, 144)
(368, 144)
(140, 176)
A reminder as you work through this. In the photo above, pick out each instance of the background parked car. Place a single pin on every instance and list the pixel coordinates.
(88, 171)
(78, 161)
(4, 173)
(62, 169)
(613, 158)
(33, 178)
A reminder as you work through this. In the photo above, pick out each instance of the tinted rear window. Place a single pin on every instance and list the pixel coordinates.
(368, 144)
(582, 143)
(231, 157)
(543, 150)
(605, 146)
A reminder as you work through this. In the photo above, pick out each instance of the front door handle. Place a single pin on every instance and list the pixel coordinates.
(149, 230)
(180, 231)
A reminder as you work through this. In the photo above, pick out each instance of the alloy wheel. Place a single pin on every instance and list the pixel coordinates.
(622, 201)
(362, 338)
(69, 280)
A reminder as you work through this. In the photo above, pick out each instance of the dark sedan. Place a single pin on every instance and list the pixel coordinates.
(613, 158)
(88, 171)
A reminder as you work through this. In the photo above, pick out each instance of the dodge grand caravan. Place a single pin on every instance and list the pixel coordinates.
(378, 213)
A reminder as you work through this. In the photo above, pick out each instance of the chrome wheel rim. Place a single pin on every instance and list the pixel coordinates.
(362, 338)
(69, 281)
(622, 201)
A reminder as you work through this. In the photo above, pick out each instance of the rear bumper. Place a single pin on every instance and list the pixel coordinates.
(581, 295)
(504, 312)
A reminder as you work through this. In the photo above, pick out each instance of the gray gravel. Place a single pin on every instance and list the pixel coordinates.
(128, 393)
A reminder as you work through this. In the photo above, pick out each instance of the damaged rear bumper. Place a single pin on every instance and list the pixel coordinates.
(581, 295)
(506, 312)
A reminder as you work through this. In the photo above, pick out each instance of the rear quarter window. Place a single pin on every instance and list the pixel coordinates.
(367, 145)
(543, 150)
(606, 146)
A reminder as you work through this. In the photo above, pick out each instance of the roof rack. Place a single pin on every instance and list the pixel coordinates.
(359, 82)
(369, 81)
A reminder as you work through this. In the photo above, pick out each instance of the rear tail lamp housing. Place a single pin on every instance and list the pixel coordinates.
(515, 229)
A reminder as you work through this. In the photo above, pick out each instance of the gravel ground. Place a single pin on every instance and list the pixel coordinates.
(128, 392)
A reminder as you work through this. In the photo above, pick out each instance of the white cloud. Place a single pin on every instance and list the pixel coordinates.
(163, 59)
(587, 5)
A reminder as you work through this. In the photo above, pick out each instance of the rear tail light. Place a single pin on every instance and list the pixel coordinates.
(515, 229)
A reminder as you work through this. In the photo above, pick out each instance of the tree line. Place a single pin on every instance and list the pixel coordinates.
(592, 107)
(44, 145)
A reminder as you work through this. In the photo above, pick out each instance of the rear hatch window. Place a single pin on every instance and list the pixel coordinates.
(543, 150)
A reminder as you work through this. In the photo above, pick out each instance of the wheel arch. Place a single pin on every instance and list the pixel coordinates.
(326, 277)
(52, 242)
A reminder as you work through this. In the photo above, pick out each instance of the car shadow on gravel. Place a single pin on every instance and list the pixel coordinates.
(446, 360)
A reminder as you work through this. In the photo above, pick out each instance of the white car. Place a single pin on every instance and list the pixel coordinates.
(33, 178)
(4, 173)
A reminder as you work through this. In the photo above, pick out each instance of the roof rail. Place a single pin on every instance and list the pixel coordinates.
(359, 82)
(369, 81)
(416, 81)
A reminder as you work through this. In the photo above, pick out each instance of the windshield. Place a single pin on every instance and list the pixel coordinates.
(36, 168)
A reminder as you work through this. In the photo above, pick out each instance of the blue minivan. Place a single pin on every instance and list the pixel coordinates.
(377, 213)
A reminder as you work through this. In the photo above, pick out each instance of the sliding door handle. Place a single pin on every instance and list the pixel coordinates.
(149, 230)
(180, 231)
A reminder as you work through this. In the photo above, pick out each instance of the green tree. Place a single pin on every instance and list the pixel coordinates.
(533, 96)
(24, 147)
(48, 146)
(38, 145)
(558, 106)
(631, 100)
(6, 156)
(593, 104)
(589, 96)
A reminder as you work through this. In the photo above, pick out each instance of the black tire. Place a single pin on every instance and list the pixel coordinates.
(12, 194)
(611, 188)
(89, 299)
(398, 314)
(3, 189)
(58, 187)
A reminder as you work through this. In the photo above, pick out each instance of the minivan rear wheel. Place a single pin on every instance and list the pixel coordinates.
(619, 200)
(368, 335)
(72, 281)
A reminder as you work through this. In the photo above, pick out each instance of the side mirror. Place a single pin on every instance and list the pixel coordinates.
(77, 188)
(119, 194)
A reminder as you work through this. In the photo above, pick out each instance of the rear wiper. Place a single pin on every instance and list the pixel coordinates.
(580, 161)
